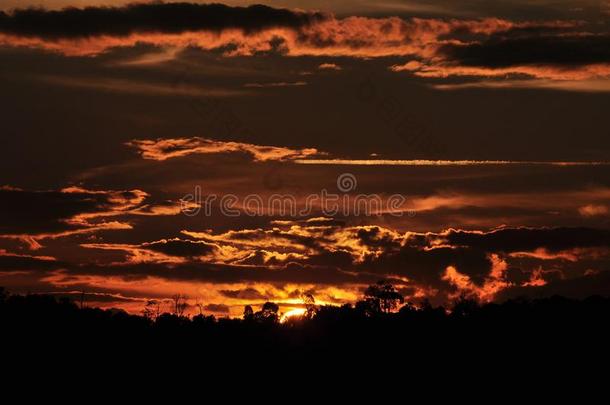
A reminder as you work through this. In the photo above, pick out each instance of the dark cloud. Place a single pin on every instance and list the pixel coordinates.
(170, 18)
(373, 237)
(338, 258)
(441, 265)
(514, 9)
(46, 211)
(523, 47)
(372, 251)
(517, 275)
(97, 298)
(426, 267)
(33, 216)
(14, 262)
(180, 248)
(219, 273)
(244, 294)
(218, 308)
(278, 238)
(528, 239)
(580, 287)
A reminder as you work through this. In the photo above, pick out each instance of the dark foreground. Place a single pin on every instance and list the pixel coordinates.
(533, 332)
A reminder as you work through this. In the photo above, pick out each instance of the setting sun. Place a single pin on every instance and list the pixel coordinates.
(297, 312)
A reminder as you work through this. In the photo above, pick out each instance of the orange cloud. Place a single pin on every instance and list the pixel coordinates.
(492, 285)
(4, 253)
(303, 241)
(311, 34)
(351, 36)
(427, 162)
(544, 254)
(176, 251)
(276, 84)
(593, 210)
(77, 211)
(542, 72)
(331, 260)
(586, 85)
(329, 66)
(571, 255)
(163, 149)
(536, 279)
(568, 200)
(132, 295)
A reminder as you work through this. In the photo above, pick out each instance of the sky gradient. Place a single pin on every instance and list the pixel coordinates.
(489, 118)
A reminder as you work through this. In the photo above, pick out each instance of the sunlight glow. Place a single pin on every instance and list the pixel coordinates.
(388, 162)
(292, 313)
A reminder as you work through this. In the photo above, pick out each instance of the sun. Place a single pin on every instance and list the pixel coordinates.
(292, 313)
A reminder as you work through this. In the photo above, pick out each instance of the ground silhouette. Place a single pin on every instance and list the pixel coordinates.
(374, 329)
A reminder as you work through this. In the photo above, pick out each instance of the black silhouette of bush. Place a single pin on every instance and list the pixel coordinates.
(370, 329)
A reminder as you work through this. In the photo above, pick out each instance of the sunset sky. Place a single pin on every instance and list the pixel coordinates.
(490, 118)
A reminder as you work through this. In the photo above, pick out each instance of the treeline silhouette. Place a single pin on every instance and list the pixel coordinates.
(381, 324)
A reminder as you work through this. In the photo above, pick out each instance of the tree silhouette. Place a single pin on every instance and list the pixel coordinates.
(200, 306)
(248, 313)
(310, 306)
(464, 306)
(417, 328)
(268, 313)
(382, 297)
(179, 304)
(152, 310)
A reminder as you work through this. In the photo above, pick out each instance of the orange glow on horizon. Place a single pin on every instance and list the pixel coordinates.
(296, 312)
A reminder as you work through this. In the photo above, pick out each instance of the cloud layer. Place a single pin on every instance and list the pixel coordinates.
(435, 48)
(437, 266)
(163, 149)
(157, 17)
(33, 216)
(555, 50)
